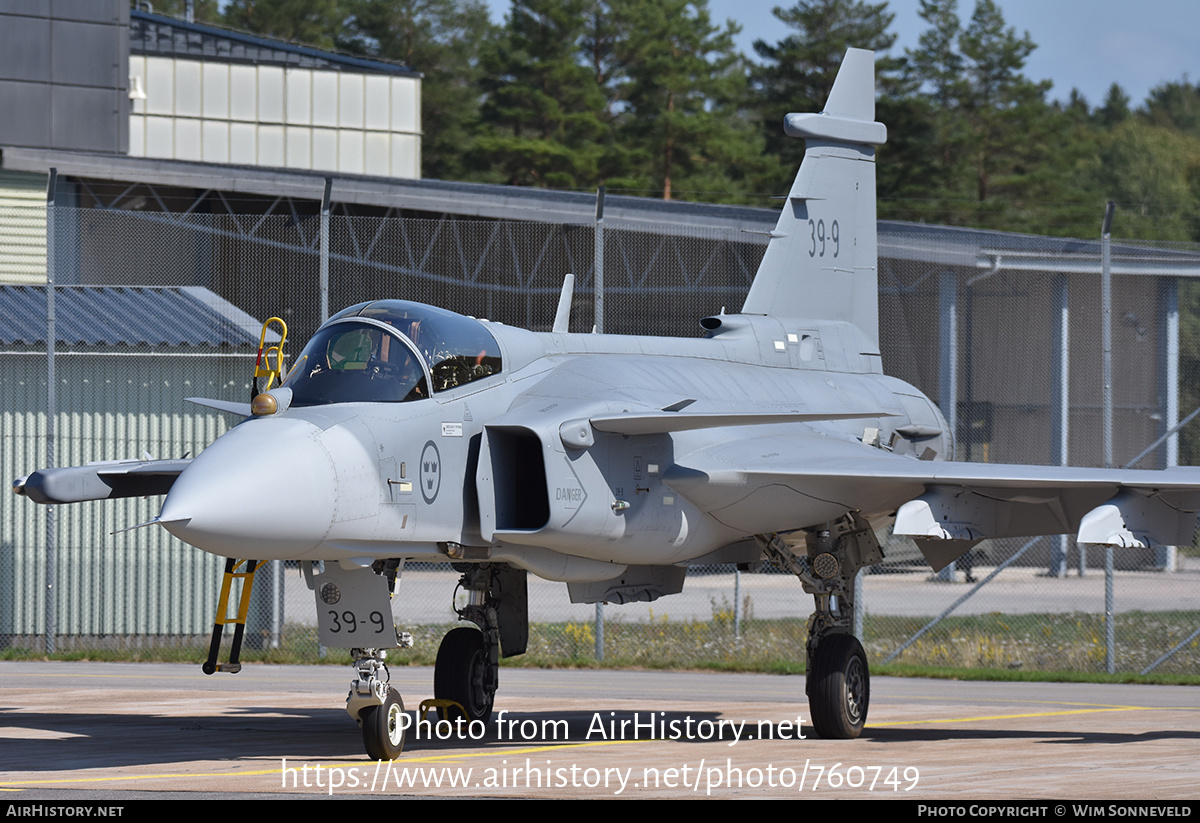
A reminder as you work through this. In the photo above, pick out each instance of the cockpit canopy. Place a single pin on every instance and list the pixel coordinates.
(395, 359)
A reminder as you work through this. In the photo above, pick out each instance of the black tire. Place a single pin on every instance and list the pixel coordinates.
(383, 731)
(839, 691)
(460, 674)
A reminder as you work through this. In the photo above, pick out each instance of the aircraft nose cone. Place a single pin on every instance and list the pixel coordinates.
(265, 489)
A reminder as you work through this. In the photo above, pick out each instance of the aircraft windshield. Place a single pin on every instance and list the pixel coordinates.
(362, 362)
(458, 349)
(356, 362)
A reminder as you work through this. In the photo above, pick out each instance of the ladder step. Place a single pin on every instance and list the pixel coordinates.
(211, 665)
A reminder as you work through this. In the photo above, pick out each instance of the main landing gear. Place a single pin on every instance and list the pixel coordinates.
(467, 672)
(465, 675)
(838, 681)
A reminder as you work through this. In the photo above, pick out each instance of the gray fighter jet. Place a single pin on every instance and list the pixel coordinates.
(611, 463)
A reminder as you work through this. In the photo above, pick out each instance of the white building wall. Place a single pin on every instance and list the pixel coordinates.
(22, 227)
(273, 116)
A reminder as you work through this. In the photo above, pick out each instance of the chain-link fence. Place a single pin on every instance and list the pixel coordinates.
(1001, 330)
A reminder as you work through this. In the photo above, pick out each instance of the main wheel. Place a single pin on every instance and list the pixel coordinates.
(460, 674)
(840, 687)
(383, 729)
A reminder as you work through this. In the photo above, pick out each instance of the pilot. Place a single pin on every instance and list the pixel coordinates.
(350, 350)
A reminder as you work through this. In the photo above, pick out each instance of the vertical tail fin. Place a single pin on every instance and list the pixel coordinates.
(821, 259)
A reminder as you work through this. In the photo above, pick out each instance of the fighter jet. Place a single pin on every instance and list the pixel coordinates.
(408, 433)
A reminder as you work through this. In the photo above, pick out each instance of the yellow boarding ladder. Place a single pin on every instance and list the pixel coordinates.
(214, 647)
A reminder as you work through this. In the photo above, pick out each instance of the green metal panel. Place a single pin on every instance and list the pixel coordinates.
(111, 406)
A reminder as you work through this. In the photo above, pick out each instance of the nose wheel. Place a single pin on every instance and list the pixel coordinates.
(383, 728)
(463, 675)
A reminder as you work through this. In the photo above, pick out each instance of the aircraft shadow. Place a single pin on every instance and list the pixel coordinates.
(56, 742)
(42, 742)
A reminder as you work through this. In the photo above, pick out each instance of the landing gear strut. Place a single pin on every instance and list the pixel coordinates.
(353, 603)
(467, 672)
(838, 681)
(375, 705)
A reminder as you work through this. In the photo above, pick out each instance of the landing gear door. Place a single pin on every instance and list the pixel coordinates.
(354, 608)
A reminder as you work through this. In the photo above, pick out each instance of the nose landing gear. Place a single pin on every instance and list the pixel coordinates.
(375, 705)
(383, 728)
(353, 602)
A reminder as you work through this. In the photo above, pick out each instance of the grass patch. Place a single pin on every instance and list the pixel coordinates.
(1073, 642)
(1034, 647)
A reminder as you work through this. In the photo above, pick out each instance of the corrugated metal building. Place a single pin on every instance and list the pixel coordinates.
(125, 359)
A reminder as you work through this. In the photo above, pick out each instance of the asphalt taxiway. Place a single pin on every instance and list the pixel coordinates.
(109, 730)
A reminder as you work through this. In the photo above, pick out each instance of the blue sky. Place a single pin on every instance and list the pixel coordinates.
(1084, 44)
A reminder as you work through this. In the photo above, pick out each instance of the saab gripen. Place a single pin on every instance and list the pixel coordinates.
(611, 463)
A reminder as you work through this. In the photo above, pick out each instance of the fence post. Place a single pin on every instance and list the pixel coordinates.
(1110, 633)
(598, 276)
(1106, 328)
(324, 265)
(599, 631)
(1061, 409)
(948, 368)
(737, 603)
(1106, 347)
(51, 412)
(1168, 318)
(276, 640)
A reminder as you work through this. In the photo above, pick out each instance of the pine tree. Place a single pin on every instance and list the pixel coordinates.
(998, 145)
(935, 70)
(678, 84)
(1001, 105)
(543, 111)
(1115, 109)
(1174, 105)
(797, 72)
(1151, 173)
(312, 22)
